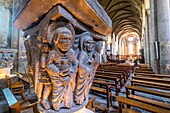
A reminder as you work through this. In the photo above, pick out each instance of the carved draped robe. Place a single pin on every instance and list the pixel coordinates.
(61, 92)
(85, 77)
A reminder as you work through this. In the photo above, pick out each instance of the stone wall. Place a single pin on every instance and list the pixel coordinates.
(11, 37)
(4, 22)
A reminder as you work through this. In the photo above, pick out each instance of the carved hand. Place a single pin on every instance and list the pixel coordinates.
(64, 72)
(66, 80)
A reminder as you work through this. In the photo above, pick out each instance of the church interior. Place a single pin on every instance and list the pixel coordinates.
(85, 56)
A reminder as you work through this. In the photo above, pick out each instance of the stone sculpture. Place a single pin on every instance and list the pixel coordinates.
(62, 66)
(85, 68)
(7, 57)
(64, 55)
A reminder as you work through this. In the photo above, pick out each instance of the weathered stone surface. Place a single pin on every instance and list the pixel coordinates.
(7, 57)
(163, 13)
(6, 3)
(4, 23)
(88, 14)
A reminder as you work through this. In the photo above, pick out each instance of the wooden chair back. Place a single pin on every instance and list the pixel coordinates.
(8, 81)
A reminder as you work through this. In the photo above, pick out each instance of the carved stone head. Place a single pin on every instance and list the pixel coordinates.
(62, 34)
(63, 39)
(87, 42)
(98, 46)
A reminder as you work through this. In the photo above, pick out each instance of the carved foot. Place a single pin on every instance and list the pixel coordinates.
(78, 102)
(29, 94)
(45, 104)
(56, 106)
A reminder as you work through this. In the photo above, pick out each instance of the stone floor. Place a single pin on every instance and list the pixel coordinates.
(99, 99)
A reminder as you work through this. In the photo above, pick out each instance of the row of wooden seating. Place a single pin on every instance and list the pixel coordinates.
(15, 86)
(15, 106)
(152, 75)
(109, 82)
(142, 84)
(124, 71)
(143, 70)
(105, 85)
(26, 78)
(121, 78)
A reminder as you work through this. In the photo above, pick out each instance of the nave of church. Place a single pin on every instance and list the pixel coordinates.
(86, 56)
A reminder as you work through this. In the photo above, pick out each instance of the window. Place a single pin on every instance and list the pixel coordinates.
(130, 48)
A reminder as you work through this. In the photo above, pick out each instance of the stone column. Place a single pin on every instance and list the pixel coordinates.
(154, 34)
(147, 37)
(163, 16)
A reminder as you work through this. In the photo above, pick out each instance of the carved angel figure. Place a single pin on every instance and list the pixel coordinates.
(85, 68)
(62, 66)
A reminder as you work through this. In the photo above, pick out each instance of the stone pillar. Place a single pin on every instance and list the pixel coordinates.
(104, 52)
(147, 37)
(145, 46)
(154, 34)
(163, 16)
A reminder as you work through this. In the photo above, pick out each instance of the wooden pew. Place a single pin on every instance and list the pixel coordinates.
(147, 100)
(143, 69)
(111, 85)
(14, 106)
(151, 79)
(119, 76)
(122, 100)
(145, 72)
(113, 69)
(124, 73)
(149, 84)
(26, 79)
(144, 66)
(104, 84)
(106, 91)
(152, 75)
(15, 87)
(109, 79)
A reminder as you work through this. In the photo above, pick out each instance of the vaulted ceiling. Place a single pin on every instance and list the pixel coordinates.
(126, 15)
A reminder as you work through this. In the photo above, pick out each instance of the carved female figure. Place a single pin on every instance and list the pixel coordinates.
(85, 68)
(62, 67)
(98, 47)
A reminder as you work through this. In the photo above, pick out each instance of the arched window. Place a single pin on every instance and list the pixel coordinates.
(123, 48)
(130, 48)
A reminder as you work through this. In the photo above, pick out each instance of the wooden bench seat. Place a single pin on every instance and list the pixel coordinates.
(150, 84)
(144, 90)
(152, 75)
(127, 110)
(101, 90)
(126, 71)
(122, 73)
(145, 72)
(150, 101)
(117, 75)
(106, 83)
(26, 79)
(106, 91)
(143, 69)
(151, 79)
(122, 100)
(147, 100)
